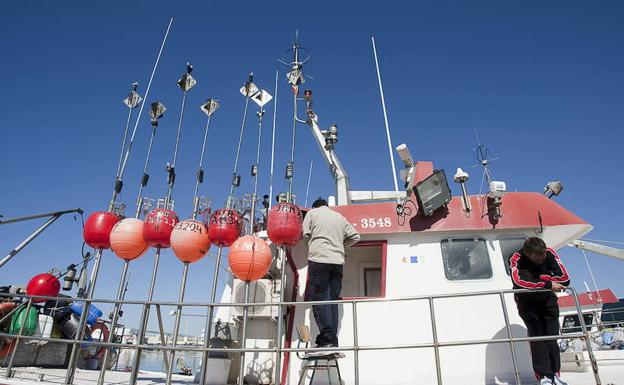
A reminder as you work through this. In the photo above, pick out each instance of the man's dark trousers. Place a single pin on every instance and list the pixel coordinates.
(325, 283)
(540, 313)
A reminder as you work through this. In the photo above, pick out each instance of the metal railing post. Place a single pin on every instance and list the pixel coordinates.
(144, 319)
(514, 360)
(590, 351)
(73, 357)
(209, 318)
(116, 310)
(16, 340)
(436, 347)
(161, 330)
(356, 358)
(243, 338)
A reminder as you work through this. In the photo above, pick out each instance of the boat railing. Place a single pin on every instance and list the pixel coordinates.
(279, 349)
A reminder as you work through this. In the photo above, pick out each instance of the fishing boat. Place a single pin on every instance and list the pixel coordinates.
(426, 295)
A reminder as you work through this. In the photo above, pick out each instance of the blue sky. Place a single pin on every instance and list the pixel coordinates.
(542, 82)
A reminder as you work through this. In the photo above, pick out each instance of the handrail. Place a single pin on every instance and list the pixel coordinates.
(356, 348)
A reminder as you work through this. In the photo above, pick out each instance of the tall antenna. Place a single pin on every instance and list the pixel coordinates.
(383, 105)
(295, 78)
(119, 179)
(273, 142)
(482, 154)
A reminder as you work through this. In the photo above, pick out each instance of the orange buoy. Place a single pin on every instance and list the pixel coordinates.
(284, 224)
(250, 258)
(97, 229)
(189, 241)
(127, 239)
(43, 284)
(225, 227)
(158, 225)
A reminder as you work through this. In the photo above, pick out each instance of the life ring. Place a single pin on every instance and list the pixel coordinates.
(6, 307)
(105, 333)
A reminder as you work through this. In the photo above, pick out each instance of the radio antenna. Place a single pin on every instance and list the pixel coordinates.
(383, 106)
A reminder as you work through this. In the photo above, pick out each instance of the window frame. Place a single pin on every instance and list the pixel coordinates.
(474, 238)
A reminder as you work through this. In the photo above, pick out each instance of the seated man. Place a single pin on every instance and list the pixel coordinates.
(328, 233)
(536, 266)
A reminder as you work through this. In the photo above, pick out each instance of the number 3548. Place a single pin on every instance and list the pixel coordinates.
(370, 223)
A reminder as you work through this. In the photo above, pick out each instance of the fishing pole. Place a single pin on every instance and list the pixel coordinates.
(209, 108)
(224, 226)
(273, 142)
(161, 221)
(157, 111)
(261, 98)
(69, 376)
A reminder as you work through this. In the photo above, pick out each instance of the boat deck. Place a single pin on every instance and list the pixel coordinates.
(31, 375)
(610, 375)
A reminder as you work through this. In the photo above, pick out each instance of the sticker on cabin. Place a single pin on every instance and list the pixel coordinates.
(414, 259)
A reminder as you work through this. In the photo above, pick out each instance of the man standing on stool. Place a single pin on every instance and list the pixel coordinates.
(328, 234)
(536, 266)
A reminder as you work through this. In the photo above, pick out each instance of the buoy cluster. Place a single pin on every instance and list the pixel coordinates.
(249, 256)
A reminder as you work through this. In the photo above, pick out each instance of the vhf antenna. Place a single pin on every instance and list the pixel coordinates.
(295, 78)
(482, 154)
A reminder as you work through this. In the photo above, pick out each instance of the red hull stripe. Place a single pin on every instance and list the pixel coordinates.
(515, 275)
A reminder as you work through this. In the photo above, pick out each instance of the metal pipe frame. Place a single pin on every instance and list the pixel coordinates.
(210, 317)
(28, 239)
(176, 327)
(116, 309)
(280, 317)
(243, 338)
(145, 318)
(435, 344)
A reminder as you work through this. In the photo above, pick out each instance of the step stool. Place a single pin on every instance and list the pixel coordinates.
(311, 360)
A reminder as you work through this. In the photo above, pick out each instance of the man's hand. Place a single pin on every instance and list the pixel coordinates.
(556, 286)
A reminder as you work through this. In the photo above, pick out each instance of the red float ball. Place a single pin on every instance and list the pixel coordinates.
(157, 228)
(43, 284)
(127, 239)
(97, 229)
(250, 258)
(189, 241)
(225, 227)
(284, 224)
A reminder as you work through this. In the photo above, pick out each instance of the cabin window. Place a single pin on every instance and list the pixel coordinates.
(572, 324)
(466, 259)
(508, 247)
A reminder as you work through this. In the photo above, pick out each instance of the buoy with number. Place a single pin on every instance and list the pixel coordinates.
(284, 224)
(158, 225)
(189, 241)
(225, 227)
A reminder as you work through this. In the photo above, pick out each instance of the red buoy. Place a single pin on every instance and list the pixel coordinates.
(250, 258)
(43, 284)
(284, 224)
(225, 227)
(97, 229)
(157, 228)
(189, 241)
(127, 239)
